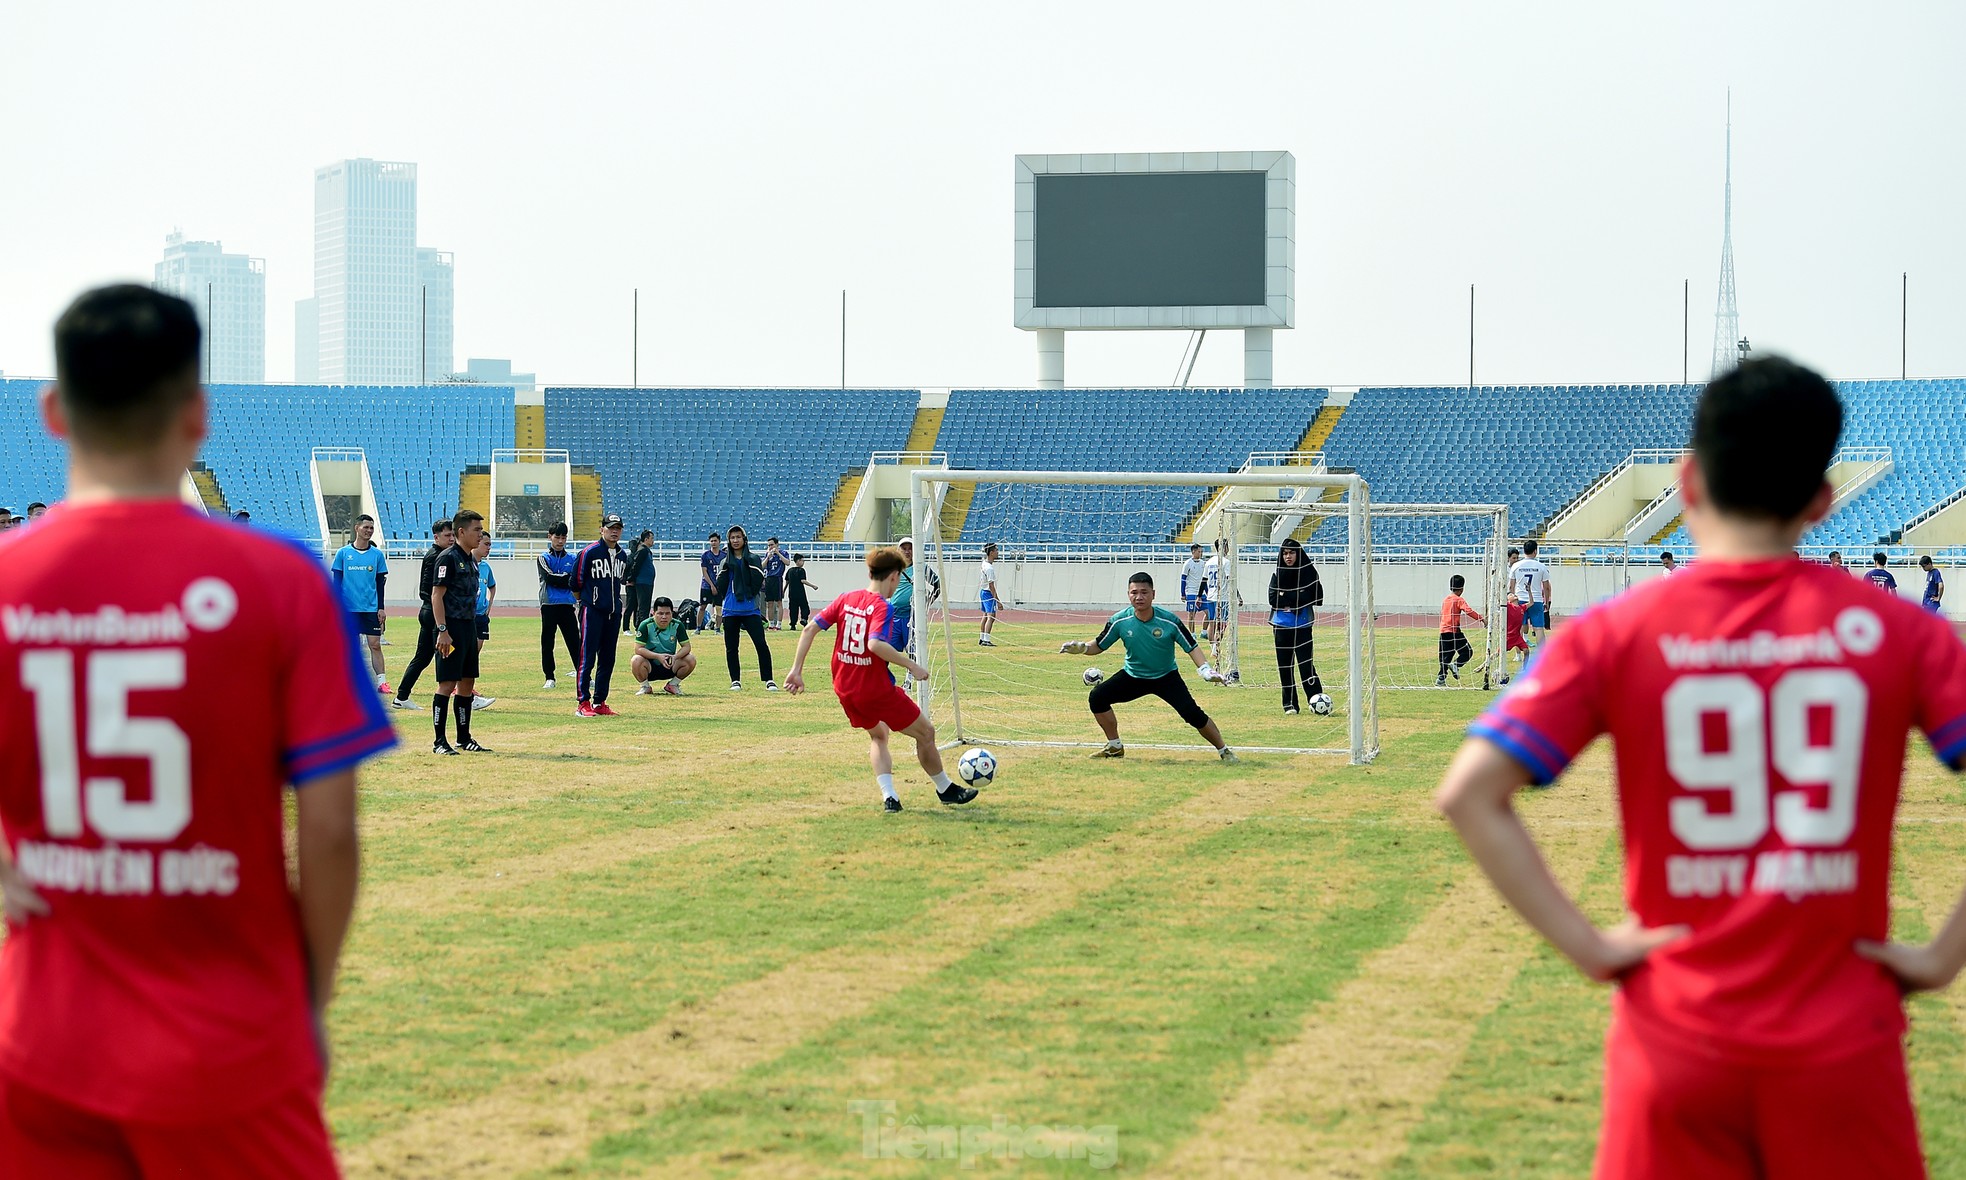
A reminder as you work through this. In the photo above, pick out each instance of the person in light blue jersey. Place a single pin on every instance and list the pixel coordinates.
(361, 572)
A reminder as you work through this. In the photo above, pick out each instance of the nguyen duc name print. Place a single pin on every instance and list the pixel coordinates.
(114, 871)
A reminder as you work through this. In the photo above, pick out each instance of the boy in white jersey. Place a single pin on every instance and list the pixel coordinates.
(1529, 581)
(1192, 572)
(989, 596)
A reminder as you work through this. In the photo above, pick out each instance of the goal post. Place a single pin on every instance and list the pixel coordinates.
(1068, 543)
(1410, 552)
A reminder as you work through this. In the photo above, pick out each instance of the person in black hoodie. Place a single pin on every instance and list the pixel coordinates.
(638, 582)
(1295, 593)
(740, 585)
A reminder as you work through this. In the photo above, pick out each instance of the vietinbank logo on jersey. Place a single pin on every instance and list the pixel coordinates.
(208, 604)
(1856, 630)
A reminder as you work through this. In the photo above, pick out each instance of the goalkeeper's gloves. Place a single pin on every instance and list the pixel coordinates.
(1209, 674)
(1076, 647)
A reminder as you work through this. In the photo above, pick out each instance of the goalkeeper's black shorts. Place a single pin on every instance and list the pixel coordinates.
(1120, 688)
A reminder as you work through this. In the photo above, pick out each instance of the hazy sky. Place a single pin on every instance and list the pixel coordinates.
(743, 163)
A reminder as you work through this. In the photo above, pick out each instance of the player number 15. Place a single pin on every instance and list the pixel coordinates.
(113, 733)
(1765, 730)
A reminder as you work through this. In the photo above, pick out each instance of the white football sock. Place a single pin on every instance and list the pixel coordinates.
(941, 781)
(887, 785)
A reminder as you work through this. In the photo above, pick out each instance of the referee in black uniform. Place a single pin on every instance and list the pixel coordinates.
(443, 535)
(454, 605)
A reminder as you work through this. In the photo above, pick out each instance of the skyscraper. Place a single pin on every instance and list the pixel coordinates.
(433, 276)
(366, 306)
(229, 291)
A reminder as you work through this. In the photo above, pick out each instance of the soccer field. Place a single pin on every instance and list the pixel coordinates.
(687, 942)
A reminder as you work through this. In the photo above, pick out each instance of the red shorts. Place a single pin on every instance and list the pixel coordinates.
(1516, 642)
(44, 1136)
(1670, 1112)
(890, 707)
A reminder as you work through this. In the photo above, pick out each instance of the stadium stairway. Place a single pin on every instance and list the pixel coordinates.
(1321, 427)
(474, 489)
(833, 528)
(927, 425)
(587, 502)
(529, 427)
(206, 481)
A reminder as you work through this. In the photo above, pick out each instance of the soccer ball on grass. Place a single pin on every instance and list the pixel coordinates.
(976, 768)
(1321, 705)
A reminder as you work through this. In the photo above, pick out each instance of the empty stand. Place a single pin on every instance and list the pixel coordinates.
(1111, 430)
(685, 461)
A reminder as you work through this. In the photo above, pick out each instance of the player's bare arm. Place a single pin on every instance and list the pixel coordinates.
(329, 868)
(1477, 797)
(795, 680)
(894, 655)
(444, 641)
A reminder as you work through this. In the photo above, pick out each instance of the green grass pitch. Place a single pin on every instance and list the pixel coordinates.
(686, 942)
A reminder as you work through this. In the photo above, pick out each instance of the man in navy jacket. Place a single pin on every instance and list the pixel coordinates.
(597, 583)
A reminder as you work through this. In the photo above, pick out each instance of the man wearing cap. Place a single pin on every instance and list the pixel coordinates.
(597, 581)
(901, 607)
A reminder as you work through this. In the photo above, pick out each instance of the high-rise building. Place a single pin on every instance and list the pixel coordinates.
(366, 306)
(433, 277)
(307, 342)
(229, 291)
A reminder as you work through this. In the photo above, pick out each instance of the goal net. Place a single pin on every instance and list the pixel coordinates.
(1410, 551)
(1068, 543)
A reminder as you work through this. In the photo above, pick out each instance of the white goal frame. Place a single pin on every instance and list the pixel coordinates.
(1490, 596)
(929, 486)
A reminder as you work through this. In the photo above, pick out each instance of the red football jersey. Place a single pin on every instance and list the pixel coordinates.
(862, 616)
(162, 676)
(1759, 713)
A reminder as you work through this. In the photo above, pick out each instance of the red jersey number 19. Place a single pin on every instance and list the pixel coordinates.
(853, 635)
(113, 733)
(1764, 730)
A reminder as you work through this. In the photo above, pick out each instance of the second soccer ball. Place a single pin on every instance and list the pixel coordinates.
(1093, 676)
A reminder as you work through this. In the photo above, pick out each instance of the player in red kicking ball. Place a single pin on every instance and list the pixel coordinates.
(863, 648)
(162, 986)
(1758, 707)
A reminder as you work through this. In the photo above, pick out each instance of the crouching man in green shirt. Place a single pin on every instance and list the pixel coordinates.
(662, 651)
(1150, 634)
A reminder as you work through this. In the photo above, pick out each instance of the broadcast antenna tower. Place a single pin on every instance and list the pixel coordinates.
(1727, 342)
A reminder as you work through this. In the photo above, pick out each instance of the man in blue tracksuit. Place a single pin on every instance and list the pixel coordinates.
(597, 579)
(556, 602)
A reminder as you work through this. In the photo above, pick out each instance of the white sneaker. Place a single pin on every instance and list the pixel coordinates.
(644, 690)
(1229, 755)
(771, 686)
(672, 687)
(480, 704)
(737, 686)
(400, 703)
(546, 687)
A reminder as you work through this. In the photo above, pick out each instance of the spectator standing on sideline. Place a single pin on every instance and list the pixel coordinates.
(487, 595)
(1295, 594)
(361, 571)
(597, 584)
(795, 592)
(442, 533)
(1193, 571)
(774, 567)
(1530, 579)
(557, 611)
(1880, 577)
(454, 606)
(712, 561)
(740, 583)
(988, 596)
(640, 577)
